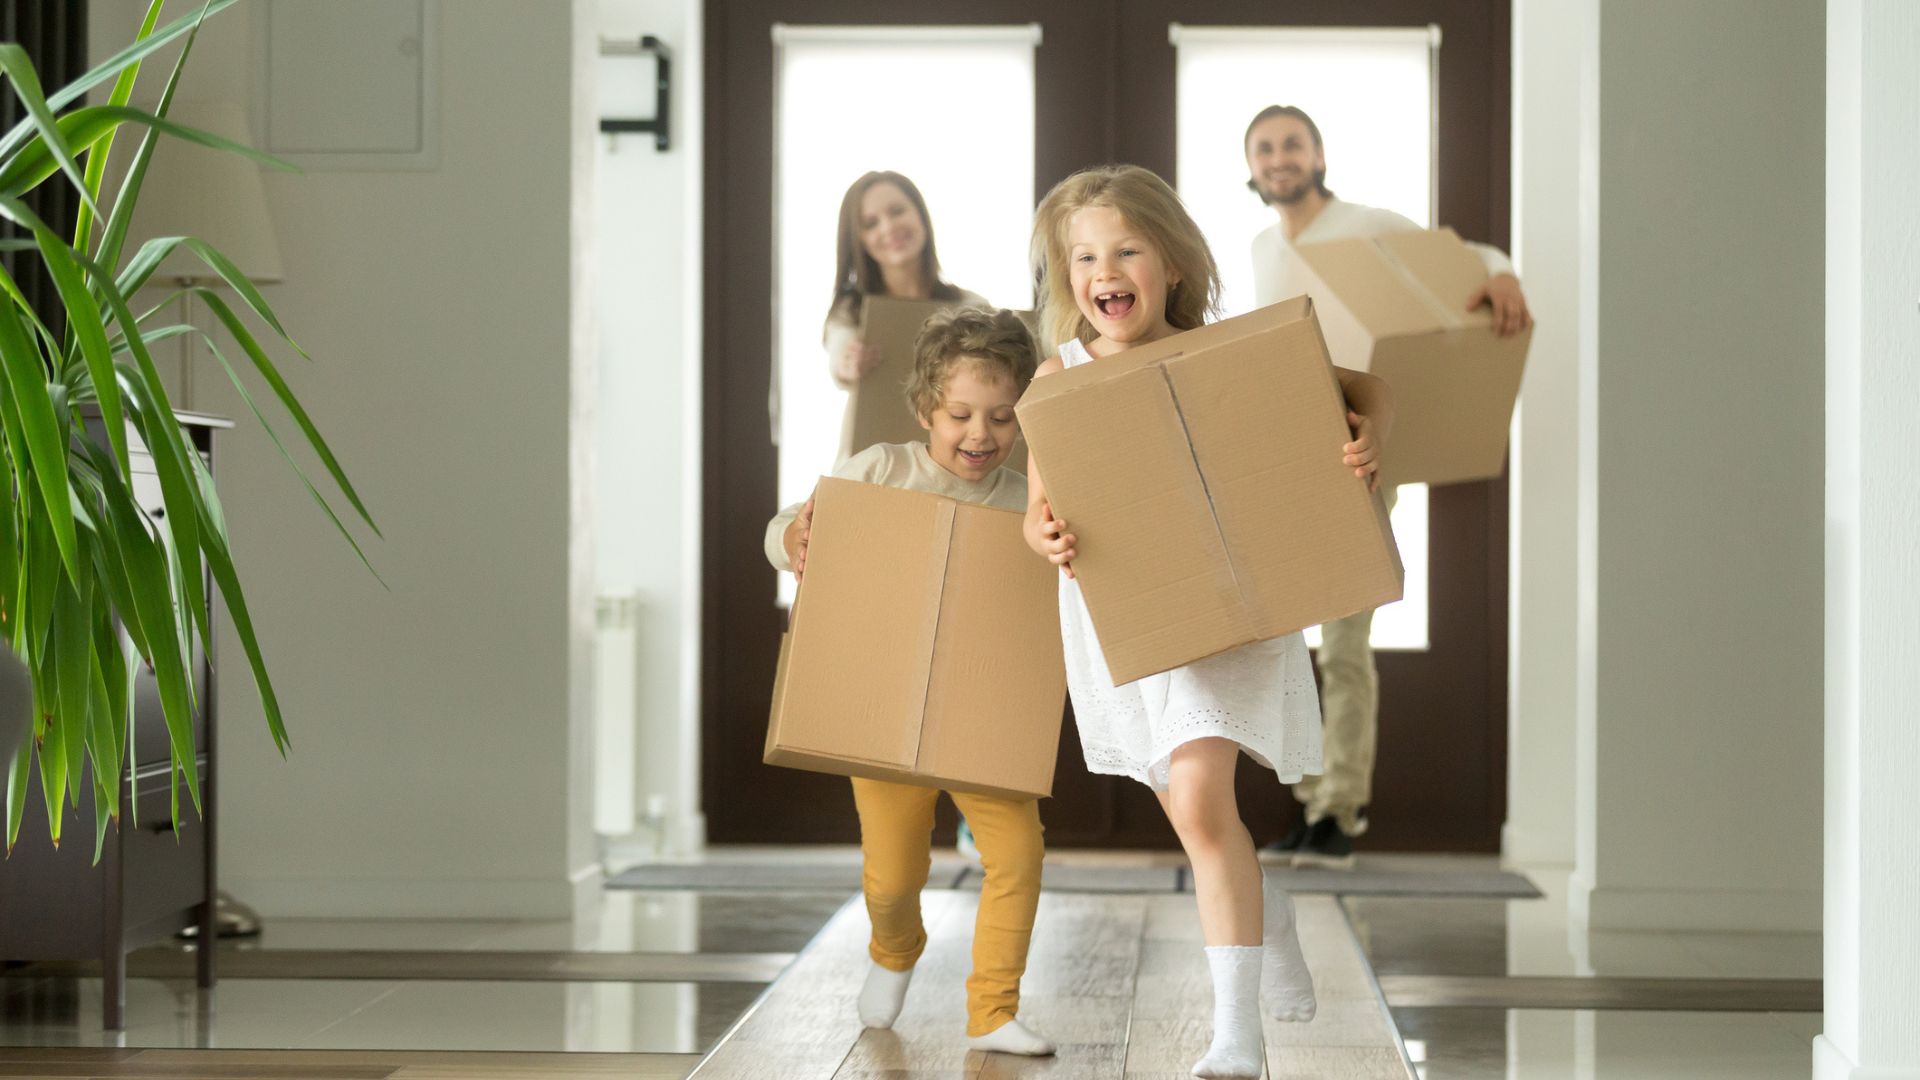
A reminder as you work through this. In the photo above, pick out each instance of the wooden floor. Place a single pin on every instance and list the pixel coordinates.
(135, 1064)
(1119, 982)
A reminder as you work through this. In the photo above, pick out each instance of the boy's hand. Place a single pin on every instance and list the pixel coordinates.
(858, 360)
(1363, 453)
(1502, 293)
(795, 540)
(1057, 541)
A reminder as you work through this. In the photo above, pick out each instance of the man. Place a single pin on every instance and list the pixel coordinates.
(1288, 167)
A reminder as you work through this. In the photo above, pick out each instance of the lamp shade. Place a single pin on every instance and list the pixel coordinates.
(217, 196)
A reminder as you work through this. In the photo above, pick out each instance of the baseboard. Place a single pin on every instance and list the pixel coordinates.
(1534, 848)
(1830, 1063)
(1780, 911)
(437, 898)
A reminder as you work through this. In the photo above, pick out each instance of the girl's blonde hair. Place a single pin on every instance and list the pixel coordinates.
(1149, 206)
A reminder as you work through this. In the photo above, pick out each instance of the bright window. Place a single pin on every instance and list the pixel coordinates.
(1370, 91)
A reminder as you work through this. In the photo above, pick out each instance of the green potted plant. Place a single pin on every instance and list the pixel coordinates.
(89, 588)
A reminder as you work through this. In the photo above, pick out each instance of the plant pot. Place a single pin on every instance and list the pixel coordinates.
(16, 703)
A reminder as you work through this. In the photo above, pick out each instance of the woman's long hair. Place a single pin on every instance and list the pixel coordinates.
(855, 274)
(1149, 206)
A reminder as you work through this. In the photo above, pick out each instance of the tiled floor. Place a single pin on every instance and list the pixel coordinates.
(665, 1025)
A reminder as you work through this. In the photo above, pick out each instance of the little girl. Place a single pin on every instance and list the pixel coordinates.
(970, 366)
(1122, 264)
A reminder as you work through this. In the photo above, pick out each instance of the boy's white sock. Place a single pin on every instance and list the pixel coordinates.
(1237, 1049)
(1285, 982)
(1012, 1037)
(882, 996)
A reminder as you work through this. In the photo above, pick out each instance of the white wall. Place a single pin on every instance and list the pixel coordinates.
(437, 726)
(1703, 549)
(1872, 1022)
(648, 295)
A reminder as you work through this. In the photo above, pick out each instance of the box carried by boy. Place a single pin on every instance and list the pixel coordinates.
(1395, 305)
(924, 649)
(1202, 474)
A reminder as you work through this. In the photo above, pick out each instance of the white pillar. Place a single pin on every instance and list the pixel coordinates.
(1700, 545)
(1872, 526)
(1543, 465)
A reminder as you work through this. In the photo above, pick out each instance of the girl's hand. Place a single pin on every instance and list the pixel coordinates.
(857, 361)
(795, 540)
(1363, 453)
(1055, 541)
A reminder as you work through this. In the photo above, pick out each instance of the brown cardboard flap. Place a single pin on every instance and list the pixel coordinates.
(1446, 268)
(1458, 390)
(852, 607)
(1285, 504)
(1201, 476)
(1152, 566)
(997, 665)
(1382, 297)
(925, 647)
(877, 409)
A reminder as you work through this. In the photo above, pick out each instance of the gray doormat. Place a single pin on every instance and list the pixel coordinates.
(1362, 881)
(785, 876)
(1366, 878)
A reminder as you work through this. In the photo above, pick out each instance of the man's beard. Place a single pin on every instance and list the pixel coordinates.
(1289, 194)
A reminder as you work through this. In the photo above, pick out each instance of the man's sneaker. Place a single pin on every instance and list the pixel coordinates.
(1291, 842)
(1325, 845)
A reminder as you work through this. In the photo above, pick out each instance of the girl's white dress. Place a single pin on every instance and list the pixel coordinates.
(1261, 696)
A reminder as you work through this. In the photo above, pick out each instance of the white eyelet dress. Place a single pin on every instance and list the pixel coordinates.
(1261, 695)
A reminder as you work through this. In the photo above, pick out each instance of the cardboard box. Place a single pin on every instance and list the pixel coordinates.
(1396, 306)
(925, 647)
(877, 409)
(1202, 477)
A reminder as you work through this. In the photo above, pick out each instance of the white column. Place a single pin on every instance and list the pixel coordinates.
(1700, 488)
(1872, 526)
(1543, 476)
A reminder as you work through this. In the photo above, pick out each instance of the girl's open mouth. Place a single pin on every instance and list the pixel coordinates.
(1114, 305)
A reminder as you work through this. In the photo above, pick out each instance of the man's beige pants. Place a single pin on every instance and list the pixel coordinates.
(1350, 721)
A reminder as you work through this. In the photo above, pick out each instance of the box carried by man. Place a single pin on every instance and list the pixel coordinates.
(1202, 475)
(924, 648)
(1395, 305)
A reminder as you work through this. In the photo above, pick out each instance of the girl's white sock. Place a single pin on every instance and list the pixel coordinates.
(1237, 1049)
(882, 996)
(1285, 982)
(1012, 1037)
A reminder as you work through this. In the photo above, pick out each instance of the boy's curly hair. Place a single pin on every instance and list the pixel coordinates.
(995, 342)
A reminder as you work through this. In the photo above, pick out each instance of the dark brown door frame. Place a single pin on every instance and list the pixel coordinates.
(1441, 778)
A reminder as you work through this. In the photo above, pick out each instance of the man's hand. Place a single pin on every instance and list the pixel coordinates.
(795, 540)
(1502, 293)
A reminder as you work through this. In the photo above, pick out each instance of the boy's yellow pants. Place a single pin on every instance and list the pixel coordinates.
(896, 839)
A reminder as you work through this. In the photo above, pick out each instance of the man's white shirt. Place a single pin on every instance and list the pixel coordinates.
(1338, 220)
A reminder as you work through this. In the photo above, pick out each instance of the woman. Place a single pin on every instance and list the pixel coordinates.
(884, 248)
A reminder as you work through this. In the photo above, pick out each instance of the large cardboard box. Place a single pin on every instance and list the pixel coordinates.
(1396, 306)
(924, 648)
(1202, 477)
(877, 409)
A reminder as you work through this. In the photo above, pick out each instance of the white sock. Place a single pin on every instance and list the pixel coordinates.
(882, 995)
(1012, 1037)
(1237, 1049)
(1285, 982)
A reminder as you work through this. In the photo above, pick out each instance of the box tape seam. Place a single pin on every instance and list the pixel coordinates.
(1213, 511)
(950, 511)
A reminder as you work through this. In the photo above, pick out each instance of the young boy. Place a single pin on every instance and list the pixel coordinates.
(970, 367)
